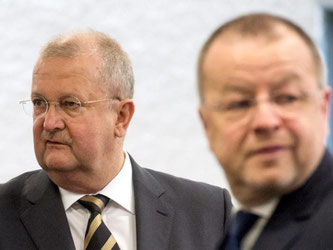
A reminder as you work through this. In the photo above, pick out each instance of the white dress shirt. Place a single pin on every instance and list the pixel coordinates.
(264, 212)
(118, 215)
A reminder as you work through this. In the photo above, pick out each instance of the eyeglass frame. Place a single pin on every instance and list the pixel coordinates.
(57, 103)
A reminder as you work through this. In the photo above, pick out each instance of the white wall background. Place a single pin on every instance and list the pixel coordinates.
(162, 38)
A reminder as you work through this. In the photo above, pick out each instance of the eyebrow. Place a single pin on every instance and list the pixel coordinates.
(36, 94)
(243, 88)
(285, 80)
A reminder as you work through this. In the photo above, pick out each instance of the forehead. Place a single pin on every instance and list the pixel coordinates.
(61, 74)
(257, 59)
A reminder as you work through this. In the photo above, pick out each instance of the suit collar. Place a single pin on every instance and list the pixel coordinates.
(154, 215)
(43, 209)
(294, 209)
(119, 190)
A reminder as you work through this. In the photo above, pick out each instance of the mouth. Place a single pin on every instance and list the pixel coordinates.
(54, 143)
(269, 150)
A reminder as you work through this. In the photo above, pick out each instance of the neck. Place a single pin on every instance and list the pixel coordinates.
(88, 180)
(252, 197)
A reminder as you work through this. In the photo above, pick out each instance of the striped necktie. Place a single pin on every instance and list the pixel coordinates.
(97, 235)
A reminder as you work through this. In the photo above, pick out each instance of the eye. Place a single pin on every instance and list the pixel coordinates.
(239, 105)
(285, 99)
(38, 102)
(70, 103)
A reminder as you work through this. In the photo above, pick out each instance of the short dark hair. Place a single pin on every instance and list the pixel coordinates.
(259, 24)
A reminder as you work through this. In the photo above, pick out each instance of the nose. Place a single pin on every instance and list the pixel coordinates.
(53, 120)
(265, 118)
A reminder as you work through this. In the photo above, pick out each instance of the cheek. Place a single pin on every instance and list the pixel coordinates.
(38, 144)
(89, 141)
(307, 129)
(37, 131)
(308, 134)
(84, 142)
(226, 140)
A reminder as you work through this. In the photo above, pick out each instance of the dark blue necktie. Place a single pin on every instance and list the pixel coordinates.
(240, 225)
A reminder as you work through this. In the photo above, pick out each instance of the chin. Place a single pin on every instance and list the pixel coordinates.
(272, 174)
(59, 160)
(275, 184)
(57, 165)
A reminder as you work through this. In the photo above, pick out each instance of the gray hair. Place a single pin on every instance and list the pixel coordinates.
(115, 74)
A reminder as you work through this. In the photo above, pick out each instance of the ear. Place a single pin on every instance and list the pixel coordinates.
(203, 117)
(326, 107)
(327, 101)
(206, 122)
(125, 111)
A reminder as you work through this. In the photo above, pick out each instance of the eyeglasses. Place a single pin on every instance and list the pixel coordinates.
(283, 103)
(70, 105)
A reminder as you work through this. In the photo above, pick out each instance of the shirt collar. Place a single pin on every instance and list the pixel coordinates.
(120, 189)
(263, 211)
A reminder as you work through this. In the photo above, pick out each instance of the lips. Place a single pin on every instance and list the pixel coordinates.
(49, 142)
(269, 150)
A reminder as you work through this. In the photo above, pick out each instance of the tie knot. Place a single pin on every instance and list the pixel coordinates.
(242, 223)
(94, 203)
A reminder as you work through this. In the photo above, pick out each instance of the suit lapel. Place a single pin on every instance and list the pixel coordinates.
(43, 214)
(281, 232)
(154, 214)
(294, 210)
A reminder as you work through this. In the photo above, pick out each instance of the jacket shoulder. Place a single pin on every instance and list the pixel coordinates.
(176, 184)
(193, 195)
(16, 186)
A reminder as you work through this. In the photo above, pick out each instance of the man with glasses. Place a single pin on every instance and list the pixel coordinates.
(265, 108)
(91, 194)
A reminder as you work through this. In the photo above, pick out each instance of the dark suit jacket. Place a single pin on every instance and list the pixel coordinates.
(303, 219)
(171, 213)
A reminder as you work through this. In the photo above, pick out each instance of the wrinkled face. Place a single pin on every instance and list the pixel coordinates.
(263, 112)
(72, 145)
